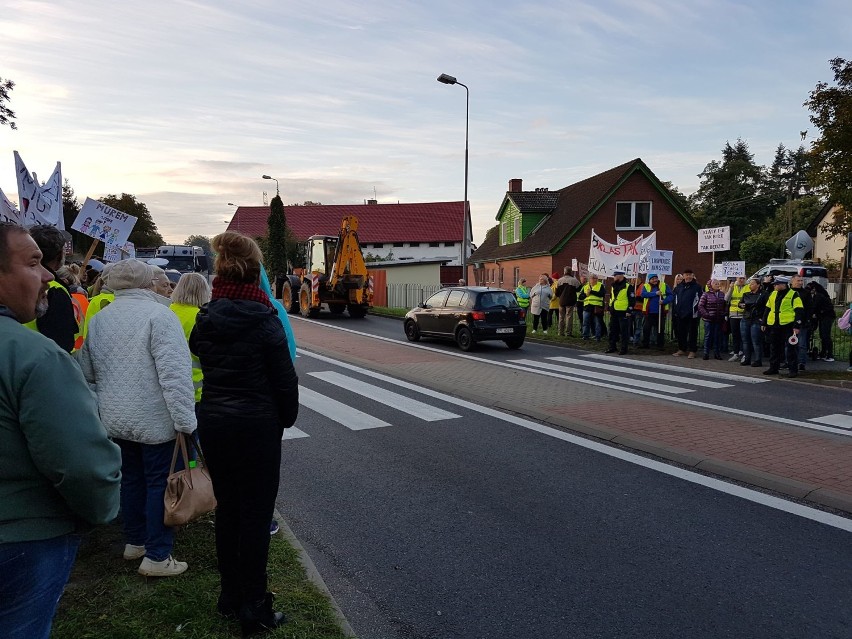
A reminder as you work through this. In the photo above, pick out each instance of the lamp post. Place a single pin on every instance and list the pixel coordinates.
(448, 79)
(269, 177)
(232, 218)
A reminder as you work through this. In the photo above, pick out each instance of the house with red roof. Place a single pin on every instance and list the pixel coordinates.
(541, 231)
(391, 232)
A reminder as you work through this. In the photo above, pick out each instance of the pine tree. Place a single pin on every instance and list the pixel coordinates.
(276, 245)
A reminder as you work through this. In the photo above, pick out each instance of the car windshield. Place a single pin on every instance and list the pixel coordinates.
(497, 298)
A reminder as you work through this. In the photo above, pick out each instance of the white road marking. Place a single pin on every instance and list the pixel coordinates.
(739, 379)
(840, 420)
(687, 475)
(718, 407)
(293, 433)
(615, 379)
(389, 398)
(641, 373)
(338, 411)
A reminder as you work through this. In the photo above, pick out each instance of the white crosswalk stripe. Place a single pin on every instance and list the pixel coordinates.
(632, 370)
(578, 374)
(739, 379)
(339, 412)
(293, 433)
(838, 419)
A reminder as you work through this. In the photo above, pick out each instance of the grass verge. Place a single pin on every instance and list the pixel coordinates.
(106, 598)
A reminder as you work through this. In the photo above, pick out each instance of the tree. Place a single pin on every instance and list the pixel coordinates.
(7, 116)
(199, 240)
(276, 244)
(758, 250)
(678, 196)
(145, 232)
(306, 203)
(831, 154)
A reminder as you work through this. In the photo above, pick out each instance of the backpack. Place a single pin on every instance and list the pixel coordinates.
(844, 322)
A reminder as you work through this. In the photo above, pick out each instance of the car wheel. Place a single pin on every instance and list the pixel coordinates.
(305, 302)
(411, 331)
(464, 338)
(357, 311)
(515, 342)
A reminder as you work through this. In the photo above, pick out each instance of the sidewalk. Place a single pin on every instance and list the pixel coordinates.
(810, 465)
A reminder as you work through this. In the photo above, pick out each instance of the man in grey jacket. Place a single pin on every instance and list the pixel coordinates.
(57, 467)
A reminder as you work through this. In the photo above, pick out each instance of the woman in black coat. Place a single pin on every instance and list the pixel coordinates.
(823, 310)
(250, 395)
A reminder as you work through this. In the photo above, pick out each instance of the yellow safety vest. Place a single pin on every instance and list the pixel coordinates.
(737, 293)
(620, 302)
(523, 302)
(645, 300)
(593, 300)
(787, 309)
(554, 299)
(96, 305)
(33, 325)
(186, 314)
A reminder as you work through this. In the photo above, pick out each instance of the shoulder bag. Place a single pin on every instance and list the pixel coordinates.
(189, 492)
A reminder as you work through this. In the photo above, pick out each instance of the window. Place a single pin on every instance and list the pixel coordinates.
(517, 237)
(455, 298)
(632, 215)
(433, 244)
(378, 245)
(399, 244)
(437, 300)
(504, 230)
(449, 243)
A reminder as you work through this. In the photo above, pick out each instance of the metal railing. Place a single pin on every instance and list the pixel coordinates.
(410, 295)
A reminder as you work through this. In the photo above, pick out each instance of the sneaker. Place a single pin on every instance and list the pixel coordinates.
(169, 567)
(678, 354)
(745, 362)
(274, 527)
(690, 356)
(829, 359)
(734, 358)
(533, 333)
(757, 364)
(132, 552)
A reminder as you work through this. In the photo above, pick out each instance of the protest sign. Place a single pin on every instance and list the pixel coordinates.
(8, 211)
(725, 270)
(660, 262)
(118, 253)
(45, 207)
(715, 239)
(574, 265)
(646, 245)
(104, 223)
(582, 271)
(605, 258)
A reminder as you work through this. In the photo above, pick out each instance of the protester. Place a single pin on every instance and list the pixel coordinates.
(191, 293)
(99, 299)
(59, 322)
(656, 296)
(462, 282)
(751, 306)
(824, 315)
(592, 294)
(782, 318)
(685, 314)
(553, 316)
(566, 292)
(522, 293)
(734, 296)
(637, 317)
(712, 308)
(678, 278)
(69, 280)
(160, 283)
(250, 395)
(620, 301)
(540, 296)
(809, 322)
(137, 358)
(57, 467)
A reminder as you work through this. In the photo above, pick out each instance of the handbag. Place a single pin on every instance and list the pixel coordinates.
(599, 310)
(189, 492)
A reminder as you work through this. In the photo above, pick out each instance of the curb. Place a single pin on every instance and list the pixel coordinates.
(313, 574)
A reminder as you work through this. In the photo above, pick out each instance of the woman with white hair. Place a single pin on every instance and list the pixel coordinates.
(136, 356)
(191, 293)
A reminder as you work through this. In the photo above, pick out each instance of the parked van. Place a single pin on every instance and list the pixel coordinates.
(808, 269)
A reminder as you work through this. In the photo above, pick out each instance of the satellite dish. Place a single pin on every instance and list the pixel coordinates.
(799, 245)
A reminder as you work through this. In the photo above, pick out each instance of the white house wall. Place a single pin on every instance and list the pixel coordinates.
(416, 251)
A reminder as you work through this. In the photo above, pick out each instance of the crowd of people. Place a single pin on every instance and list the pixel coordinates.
(744, 321)
(103, 368)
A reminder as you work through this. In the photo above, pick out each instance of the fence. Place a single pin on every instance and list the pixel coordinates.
(840, 293)
(409, 295)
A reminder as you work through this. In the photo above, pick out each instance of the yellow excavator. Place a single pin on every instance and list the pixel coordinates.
(335, 274)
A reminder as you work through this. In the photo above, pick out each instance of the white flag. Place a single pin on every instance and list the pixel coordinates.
(27, 188)
(8, 211)
(46, 205)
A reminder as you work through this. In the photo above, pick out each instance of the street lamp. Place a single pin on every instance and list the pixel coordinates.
(232, 218)
(448, 79)
(269, 177)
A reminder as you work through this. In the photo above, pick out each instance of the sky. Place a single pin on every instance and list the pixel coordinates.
(186, 103)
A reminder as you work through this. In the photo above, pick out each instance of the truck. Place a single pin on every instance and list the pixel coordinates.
(184, 259)
(335, 274)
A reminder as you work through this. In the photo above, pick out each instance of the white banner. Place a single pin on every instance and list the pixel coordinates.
(646, 245)
(104, 223)
(8, 211)
(712, 240)
(605, 258)
(45, 207)
(118, 253)
(27, 188)
(724, 270)
(660, 262)
(574, 265)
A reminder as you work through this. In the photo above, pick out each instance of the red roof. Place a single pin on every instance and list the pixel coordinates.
(377, 223)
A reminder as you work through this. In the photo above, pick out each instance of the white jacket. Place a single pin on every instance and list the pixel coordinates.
(540, 295)
(137, 358)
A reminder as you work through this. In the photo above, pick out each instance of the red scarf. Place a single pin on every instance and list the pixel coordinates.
(237, 291)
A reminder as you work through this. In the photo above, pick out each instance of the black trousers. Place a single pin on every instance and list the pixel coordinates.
(244, 460)
(687, 333)
(619, 328)
(651, 321)
(778, 346)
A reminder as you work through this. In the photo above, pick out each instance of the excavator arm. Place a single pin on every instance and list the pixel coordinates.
(348, 273)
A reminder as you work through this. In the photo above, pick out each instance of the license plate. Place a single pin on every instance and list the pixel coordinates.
(505, 330)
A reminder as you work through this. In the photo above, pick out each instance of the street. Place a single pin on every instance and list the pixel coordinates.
(432, 516)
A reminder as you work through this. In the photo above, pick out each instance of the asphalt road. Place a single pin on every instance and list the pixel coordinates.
(458, 524)
(774, 397)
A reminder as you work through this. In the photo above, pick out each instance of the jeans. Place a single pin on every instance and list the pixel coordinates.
(589, 317)
(32, 577)
(712, 337)
(144, 470)
(653, 323)
(826, 344)
(244, 461)
(803, 345)
(752, 340)
(638, 323)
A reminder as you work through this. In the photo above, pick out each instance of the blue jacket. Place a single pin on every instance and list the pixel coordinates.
(652, 307)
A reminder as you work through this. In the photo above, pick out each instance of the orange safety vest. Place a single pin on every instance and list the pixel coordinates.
(81, 305)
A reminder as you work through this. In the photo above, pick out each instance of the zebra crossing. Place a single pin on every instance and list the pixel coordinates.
(354, 419)
(838, 420)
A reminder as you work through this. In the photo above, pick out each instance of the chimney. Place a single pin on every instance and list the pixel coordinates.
(516, 185)
(372, 201)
